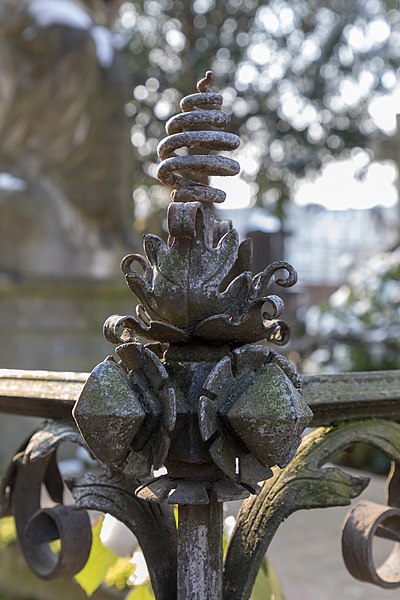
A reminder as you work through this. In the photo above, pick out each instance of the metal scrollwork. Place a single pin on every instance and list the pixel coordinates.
(365, 521)
(197, 110)
(305, 483)
(36, 525)
(153, 525)
(109, 491)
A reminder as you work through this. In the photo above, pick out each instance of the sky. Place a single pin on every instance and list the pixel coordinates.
(340, 187)
(342, 184)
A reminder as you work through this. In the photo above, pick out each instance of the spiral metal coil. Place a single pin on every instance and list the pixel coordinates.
(198, 110)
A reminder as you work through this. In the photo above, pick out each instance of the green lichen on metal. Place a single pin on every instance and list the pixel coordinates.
(269, 415)
(304, 484)
(109, 411)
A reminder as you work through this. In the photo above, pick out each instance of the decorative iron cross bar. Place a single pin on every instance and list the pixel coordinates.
(203, 399)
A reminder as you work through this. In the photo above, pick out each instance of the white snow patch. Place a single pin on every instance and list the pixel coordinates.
(61, 12)
(68, 13)
(104, 40)
(10, 183)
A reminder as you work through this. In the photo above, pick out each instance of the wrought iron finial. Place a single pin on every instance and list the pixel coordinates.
(212, 398)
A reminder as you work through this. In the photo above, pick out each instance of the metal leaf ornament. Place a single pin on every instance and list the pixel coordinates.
(198, 285)
(306, 483)
(204, 401)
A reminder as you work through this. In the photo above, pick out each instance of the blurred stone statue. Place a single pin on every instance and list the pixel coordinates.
(64, 140)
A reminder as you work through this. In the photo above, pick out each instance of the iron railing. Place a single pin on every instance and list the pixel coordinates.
(223, 414)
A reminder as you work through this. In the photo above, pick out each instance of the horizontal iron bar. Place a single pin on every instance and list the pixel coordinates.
(332, 398)
(346, 396)
(39, 393)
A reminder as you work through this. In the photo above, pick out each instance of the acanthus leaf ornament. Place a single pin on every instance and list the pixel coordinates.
(199, 285)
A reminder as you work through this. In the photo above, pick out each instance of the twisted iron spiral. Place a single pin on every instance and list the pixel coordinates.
(183, 131)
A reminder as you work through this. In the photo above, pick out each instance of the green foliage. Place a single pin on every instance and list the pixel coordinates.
(359, 328)
(267, 585)
(8, 534)
(100, 561)
(285, 68)
(119, 573)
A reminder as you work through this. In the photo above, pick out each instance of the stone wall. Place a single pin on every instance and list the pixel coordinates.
(53, 325)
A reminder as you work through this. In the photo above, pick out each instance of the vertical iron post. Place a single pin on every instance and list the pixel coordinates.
(200, 551)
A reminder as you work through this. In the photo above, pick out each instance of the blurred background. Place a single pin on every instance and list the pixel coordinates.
(86, 86)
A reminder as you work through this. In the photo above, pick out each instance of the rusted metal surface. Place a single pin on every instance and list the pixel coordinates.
(367, 520)
(332, 398)
(189, 190)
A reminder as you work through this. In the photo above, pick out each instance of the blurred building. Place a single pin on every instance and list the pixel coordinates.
(66, 220)
(323, 243)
